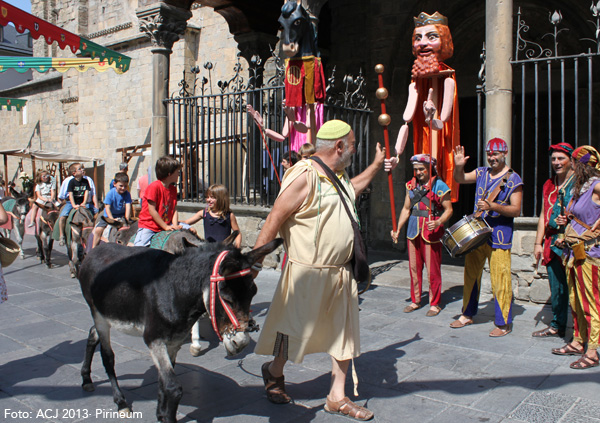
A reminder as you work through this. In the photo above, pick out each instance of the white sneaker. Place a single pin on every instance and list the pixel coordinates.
(31, 225)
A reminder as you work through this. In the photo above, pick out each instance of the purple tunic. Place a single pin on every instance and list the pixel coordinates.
(586, 210)
(502, 226)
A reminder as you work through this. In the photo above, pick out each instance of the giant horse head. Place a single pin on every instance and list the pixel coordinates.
(298, 35)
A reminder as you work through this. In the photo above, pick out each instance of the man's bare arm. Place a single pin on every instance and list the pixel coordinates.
(514, 208)
(286, 204)
(362, 180)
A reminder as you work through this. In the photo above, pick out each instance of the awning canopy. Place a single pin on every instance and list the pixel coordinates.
(36, 26)
(12, 102)
(43, 64)
(49, 156)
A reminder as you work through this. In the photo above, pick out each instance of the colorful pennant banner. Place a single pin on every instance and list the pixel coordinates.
(36, 26)
(9, 103)
(43, 64)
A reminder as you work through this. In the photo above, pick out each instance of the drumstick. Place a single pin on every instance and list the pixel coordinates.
(535, 269)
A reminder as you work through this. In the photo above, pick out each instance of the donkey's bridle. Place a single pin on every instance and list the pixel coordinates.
(215, 278)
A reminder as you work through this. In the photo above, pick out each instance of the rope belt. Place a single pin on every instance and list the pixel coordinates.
(317, 266)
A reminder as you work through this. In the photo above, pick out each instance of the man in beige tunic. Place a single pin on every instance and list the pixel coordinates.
(315, 305)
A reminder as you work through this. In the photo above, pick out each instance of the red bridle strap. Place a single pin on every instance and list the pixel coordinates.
(215, 278)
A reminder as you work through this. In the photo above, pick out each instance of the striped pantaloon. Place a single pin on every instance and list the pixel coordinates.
(501, 282)
(420, 254)
(584, 297)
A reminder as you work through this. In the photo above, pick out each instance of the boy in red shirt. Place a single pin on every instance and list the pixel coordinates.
(158, 210)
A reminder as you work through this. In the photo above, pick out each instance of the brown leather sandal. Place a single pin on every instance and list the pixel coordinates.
(568, 349)
(412, 307)
(275, 386)
(457, 324)
(585, 362)
(548, 332)
(347, 408)
(433, 311)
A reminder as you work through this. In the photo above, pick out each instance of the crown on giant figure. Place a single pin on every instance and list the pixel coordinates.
(436, 19)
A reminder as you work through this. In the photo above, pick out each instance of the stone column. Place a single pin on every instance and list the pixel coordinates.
(498, 71)
(163, 23)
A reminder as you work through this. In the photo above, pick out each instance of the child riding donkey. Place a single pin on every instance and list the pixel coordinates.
(160, 200)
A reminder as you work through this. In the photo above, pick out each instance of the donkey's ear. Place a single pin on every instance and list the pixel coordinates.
(258, 253)
(229, 240)
(188, 243)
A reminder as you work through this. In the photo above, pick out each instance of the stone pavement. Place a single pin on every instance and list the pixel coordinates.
(413, 368)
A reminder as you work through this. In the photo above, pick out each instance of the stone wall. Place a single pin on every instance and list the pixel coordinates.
(94, 113)
(528, 284)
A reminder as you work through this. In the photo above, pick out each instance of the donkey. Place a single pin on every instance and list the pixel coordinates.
(82, 224)
(17, 208)
(123, 237)
(43, 233)
(159, 296)
(115, 227)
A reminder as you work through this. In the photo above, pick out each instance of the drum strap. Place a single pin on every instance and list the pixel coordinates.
(492, 196)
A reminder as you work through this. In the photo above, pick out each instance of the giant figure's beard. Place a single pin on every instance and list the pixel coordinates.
(425, 66)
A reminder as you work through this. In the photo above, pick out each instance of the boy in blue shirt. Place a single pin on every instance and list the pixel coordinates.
(116, 204)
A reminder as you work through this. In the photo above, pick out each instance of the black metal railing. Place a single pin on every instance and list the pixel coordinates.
(218, 143)
(554, 101)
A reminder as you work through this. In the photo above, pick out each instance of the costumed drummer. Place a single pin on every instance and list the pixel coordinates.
(556, 196)
(498, 196)
(315, 304)
(582, 237)
(426, 210)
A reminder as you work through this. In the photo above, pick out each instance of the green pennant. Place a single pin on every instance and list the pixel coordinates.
(12, 102)
(90, 49)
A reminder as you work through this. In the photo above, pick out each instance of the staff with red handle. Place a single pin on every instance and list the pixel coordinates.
(384, 120)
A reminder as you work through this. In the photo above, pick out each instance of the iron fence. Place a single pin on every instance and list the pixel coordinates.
(217, 142)
(554, 100)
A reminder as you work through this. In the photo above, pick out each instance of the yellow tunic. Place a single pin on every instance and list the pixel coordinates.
(315, 304)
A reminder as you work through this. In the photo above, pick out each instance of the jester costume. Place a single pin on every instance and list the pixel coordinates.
(424, 246)
(583, 276)
(555, 200)
(496, 250)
